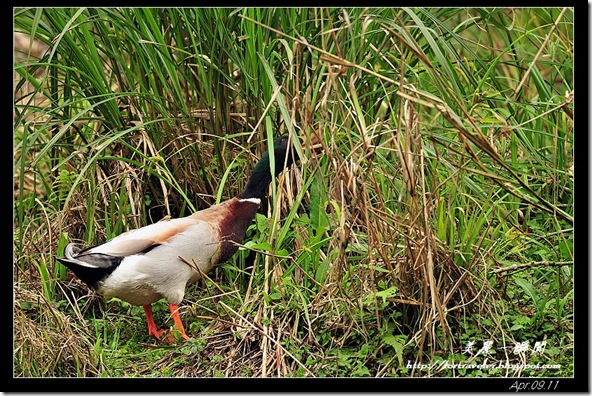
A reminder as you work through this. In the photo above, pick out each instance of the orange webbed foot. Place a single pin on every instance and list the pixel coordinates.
(171, 336)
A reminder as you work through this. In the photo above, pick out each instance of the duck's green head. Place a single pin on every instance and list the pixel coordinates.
(284, 155)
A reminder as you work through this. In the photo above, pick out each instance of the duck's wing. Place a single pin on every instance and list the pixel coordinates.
(142, 240)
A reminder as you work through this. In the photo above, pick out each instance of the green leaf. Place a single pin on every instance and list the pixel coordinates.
(390, 292)
(516, 327)
(528, 288)
(322, 271)
(361, 371)
(262, 222)
(384, 294)
(343, 356)
(397, 342)
(275, 296)
(263, 246)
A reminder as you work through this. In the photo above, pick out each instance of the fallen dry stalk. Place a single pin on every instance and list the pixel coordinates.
(253, 326)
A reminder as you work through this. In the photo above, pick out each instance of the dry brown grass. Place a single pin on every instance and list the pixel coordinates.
(54, 344)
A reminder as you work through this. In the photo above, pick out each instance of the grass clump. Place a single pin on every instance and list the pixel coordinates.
(433, 208)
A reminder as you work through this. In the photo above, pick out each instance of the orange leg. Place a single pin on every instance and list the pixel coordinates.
(175, 312)
(151, 325)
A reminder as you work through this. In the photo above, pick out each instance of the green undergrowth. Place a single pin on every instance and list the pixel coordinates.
(426, 232)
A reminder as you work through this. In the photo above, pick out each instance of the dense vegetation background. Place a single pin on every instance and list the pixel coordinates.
(430, 222)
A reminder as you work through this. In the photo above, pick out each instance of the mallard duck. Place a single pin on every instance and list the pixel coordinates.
(147, 264)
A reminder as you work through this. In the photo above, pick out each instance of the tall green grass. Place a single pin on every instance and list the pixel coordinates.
(433, 205)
